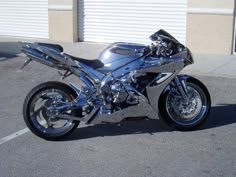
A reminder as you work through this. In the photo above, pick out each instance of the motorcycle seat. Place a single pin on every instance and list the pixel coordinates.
(55, 47)
(92, 63)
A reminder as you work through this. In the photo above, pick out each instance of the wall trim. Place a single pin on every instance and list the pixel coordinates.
(210, 11)
(60, 7)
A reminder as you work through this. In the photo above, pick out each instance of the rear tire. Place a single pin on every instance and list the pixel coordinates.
(34, 124)
(186, 122)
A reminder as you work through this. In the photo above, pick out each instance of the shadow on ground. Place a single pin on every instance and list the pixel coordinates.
(220, 115)
(9, 50)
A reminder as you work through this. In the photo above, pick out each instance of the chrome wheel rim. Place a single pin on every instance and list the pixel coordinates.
(187, 112)
(44, 119)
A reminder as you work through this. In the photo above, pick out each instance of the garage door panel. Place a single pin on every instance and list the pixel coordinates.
(130, 20)
(25, 18)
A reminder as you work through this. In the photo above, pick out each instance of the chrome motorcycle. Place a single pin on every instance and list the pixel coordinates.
(127, 80)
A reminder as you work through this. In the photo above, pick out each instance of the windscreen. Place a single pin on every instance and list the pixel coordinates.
(163, 35)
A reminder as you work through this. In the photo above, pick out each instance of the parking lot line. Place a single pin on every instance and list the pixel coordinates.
(13, 135)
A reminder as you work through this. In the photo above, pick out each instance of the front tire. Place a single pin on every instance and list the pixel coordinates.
(186, 115)
(39, 119)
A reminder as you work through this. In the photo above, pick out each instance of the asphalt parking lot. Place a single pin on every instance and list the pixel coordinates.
(133, 148)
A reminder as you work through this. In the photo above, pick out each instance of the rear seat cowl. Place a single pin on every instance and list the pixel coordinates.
(52, 46)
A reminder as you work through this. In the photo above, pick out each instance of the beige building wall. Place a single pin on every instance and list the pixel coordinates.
(63, 20)
(210, 26)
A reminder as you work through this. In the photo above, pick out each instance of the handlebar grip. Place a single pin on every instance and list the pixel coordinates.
(146, 50)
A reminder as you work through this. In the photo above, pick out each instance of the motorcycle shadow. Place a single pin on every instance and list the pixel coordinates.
(129, 126)
(9, 50)
(220, 115)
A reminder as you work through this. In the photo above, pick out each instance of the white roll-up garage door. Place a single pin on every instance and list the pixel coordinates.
(130, 20)
(24, 18)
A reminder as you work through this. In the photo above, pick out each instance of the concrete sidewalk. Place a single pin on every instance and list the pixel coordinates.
(213, 65)
(205, 64)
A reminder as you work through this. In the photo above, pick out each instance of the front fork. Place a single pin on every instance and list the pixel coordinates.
(181, 86)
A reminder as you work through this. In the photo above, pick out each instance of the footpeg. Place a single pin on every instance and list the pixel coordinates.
(104, 110)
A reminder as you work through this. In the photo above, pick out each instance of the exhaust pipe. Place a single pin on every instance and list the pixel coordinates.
(55, 55)
(88, 118)
(47, 56)
(37, 56)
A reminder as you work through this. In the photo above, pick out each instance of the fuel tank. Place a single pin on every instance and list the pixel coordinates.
(119, 54)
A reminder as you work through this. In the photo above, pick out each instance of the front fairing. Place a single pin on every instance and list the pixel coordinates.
(189, 58)
(119, 54)
(186, 55)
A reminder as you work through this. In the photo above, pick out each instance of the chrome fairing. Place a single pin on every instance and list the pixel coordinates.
(154, 92)
(186, 55)
(144, 110)
(170, 67)
(189, 58)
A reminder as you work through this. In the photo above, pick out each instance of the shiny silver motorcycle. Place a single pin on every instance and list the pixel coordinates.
(126, 81)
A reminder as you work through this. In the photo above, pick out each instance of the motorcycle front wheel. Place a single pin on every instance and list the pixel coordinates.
(186, 114)
(41, 120)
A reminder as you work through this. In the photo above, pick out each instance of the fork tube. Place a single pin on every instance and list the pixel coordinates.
(181, 85)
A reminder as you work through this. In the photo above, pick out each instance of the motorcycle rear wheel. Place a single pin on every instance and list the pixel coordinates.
(186, 115)
(39, 119)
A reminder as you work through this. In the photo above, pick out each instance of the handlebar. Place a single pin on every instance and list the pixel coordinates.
(149, 50)
(161, 48)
